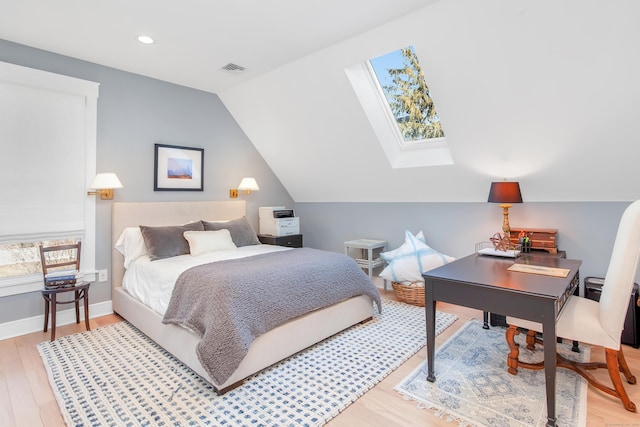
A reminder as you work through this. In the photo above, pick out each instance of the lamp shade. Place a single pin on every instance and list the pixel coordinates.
(249, 184)
(106, 181)
(505, 192)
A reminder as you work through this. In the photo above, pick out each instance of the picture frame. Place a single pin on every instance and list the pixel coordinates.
(178, 168)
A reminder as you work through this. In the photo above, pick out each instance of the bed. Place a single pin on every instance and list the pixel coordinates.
(268, 348)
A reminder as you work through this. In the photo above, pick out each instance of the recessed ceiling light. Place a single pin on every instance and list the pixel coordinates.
(145, 39)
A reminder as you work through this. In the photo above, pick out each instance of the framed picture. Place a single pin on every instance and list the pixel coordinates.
(178, 168)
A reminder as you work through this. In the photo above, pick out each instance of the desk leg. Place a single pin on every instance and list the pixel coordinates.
(485, 320)
(549, 332)
(430, 314)
(370, 261)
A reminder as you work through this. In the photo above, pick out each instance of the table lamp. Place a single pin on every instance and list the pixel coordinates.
(505, 193)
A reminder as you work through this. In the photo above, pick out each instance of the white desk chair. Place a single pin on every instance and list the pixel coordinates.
(596, 323)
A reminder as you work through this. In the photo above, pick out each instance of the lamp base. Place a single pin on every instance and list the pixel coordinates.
(505, 223)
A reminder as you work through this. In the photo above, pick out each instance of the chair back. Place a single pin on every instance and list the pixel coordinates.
(618, 282)
(50, 261)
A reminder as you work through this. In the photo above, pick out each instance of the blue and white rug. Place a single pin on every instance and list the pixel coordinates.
(117, 376)
(474, 388)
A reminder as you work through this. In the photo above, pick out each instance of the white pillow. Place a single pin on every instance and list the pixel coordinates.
(203, 242)
(131, 245)
(412, 259)
(389, 255)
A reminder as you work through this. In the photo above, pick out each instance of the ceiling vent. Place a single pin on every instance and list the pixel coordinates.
(233, 67)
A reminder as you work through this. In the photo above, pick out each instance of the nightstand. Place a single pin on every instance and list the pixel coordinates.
(291, 241)
(368, 257)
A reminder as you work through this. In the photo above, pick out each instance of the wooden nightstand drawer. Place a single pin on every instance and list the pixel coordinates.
(292, 241)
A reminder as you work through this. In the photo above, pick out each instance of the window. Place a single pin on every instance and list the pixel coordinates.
(403, 86)
(48, 134)
(397, 101)
(23, 259)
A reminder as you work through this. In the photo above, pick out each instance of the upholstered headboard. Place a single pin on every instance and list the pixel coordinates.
(125, 215)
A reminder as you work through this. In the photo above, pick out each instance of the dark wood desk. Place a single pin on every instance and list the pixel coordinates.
(484, 283)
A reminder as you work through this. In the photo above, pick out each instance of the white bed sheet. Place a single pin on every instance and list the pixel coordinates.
(152, 282)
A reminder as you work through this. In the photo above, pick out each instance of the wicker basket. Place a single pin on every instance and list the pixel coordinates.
(412, 293)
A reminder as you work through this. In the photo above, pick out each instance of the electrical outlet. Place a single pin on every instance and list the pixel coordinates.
(102, 275)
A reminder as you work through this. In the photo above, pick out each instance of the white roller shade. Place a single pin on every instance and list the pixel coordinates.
(42, 175)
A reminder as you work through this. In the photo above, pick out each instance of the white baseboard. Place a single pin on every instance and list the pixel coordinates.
(28, 325)
(381, 283)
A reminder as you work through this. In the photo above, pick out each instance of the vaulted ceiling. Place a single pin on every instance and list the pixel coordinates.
(543, 92)
(194, 39)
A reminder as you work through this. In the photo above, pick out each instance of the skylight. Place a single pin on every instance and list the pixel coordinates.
(403, 86)
(396, 99)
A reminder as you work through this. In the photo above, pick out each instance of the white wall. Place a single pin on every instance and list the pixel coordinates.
(542, 92)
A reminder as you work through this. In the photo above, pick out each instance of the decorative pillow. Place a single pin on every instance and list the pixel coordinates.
(203, 242)
(131, 245)
(166, 242)
(412, 259)
(389, 255)
(242, 233)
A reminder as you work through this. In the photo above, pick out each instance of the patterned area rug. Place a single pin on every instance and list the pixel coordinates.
(115, 375)
(474, 388)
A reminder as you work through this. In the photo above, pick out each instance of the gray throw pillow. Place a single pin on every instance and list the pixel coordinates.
(242, 233)
(166, 242)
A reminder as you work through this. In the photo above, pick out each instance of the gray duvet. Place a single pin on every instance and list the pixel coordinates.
(230, 303)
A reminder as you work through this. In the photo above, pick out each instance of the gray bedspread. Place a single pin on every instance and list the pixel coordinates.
(230, 303)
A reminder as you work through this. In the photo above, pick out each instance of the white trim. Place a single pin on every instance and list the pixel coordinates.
(12, 74)
(29, 325)
(18, 75)
(399, 154)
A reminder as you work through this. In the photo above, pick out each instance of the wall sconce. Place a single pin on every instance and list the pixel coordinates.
(104, 183)
(247, 184)
(505, 192)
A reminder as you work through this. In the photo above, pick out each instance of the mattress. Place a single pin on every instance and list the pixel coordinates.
(152, 282)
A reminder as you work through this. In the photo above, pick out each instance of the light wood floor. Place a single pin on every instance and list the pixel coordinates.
(27, 400)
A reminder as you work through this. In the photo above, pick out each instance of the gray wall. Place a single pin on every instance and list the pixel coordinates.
(134, 112)
(586, 231)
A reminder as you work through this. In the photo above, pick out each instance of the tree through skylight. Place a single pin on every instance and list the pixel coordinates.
(404, 87)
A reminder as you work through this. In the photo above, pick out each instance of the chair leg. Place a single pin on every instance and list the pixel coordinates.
(514, 349)
(54, 309)
(86, 308)
(531, 340)
(612, 357)
(77, 304)
(46, 314)
(624, 368)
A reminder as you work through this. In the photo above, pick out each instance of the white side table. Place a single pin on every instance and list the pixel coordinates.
(371, 249)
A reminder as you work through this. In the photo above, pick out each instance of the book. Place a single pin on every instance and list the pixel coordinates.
(62, 278)
(55, 284)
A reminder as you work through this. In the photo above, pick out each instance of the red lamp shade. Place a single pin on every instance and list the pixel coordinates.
(505, 192)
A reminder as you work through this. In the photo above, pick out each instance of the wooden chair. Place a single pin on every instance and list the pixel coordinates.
(80, 289)
(596, 323)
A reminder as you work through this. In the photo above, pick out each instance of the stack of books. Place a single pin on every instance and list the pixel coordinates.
(62, 279)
